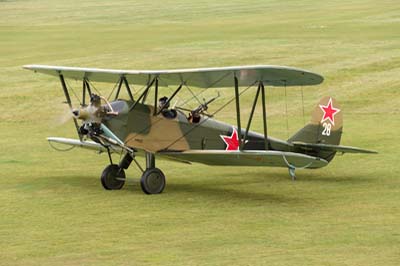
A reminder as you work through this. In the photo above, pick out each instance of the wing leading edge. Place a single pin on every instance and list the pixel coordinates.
(197, 77)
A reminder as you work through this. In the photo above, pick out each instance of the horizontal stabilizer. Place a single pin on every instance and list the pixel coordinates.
(248, 158)
(90, 145)
(329, 147)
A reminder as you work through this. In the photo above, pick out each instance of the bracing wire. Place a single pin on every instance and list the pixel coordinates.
(286, 113)
(197, 125)
(73, 91)
(169, 88)
(206, 119)
(94, 87)
(218, 110)
(302, 104)
(194, 95)
(139, 91)
(113, 89)
(132, 89)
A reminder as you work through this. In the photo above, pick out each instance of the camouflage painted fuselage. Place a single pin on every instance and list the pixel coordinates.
(141, 129)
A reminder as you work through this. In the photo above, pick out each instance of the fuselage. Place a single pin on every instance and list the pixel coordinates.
(141, 129)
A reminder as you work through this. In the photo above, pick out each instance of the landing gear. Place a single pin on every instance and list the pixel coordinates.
(151, 182)
(292, 173)
(153, 179)
(291, 168)
(113, 177)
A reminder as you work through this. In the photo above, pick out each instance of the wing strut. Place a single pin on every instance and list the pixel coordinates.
(128, 89)
(65, 89)
(155, 97)
(266, 144)
(85, 86)
(243, 141)
(251, 115)
(118, 88)
(83, 93)
(238, 112)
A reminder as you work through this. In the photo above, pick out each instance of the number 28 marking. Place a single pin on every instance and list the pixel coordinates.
(327, 129)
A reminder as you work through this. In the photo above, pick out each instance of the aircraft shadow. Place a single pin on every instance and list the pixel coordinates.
(230, 194)
(326, 178)
(226, 189)
(239, 186)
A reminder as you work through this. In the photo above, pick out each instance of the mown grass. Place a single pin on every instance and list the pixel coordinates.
(54, 211)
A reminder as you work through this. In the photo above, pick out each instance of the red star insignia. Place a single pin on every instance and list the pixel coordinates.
(329, 112)
(232, 142)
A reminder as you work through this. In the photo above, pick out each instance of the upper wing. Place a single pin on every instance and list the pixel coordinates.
(328, 147)
(197, 77)
(248, 158)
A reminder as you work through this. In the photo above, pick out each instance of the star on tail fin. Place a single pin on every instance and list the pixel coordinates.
(325, 127)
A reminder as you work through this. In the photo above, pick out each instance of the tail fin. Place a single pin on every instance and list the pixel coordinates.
(325, 127)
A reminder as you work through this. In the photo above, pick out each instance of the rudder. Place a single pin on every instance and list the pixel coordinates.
(325, 127)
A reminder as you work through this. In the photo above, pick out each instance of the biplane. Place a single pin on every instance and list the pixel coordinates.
(152, 128)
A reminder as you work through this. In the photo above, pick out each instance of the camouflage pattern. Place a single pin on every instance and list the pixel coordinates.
(209, 140)
(139, 128)
(316, 131)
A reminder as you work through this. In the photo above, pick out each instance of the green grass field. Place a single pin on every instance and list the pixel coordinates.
(54, 211)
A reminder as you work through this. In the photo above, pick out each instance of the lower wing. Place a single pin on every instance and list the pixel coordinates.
(217, 157)
(85, 144)
(248, 158)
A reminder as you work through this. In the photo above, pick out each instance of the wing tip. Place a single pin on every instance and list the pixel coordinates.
(30, 67)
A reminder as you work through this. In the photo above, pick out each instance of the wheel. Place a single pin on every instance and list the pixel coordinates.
(152, 181)
(113, 177)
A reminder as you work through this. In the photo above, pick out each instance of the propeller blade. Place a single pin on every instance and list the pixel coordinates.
(64, 115)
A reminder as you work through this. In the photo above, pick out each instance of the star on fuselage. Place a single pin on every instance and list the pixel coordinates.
(232, 141)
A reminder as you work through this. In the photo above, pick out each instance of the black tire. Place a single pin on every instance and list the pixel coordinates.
(152, 181)
(113, 177)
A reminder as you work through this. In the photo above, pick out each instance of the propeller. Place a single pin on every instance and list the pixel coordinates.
(91, 115)
(63, 115)
(95, 111)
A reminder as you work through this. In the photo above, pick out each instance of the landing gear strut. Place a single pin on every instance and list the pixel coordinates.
(151, 182)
